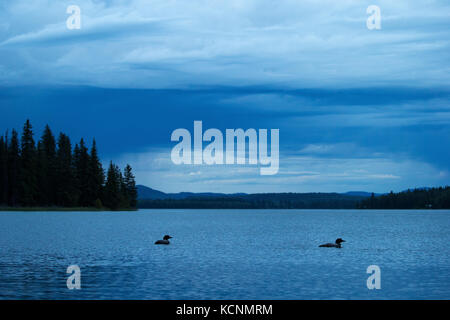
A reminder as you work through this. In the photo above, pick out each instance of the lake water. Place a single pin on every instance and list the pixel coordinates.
(225, 254)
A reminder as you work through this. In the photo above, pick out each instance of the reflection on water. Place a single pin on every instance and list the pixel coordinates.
(225, 254)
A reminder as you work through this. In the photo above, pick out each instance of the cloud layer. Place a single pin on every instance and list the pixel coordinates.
(159, 43)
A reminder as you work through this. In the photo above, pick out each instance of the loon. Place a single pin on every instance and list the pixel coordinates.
(165, 241)
(333, 245)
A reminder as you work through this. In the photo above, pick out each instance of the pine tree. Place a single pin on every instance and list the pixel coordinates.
(13, 169)
(47, 168)
(66, 191)
(81, 163)
(4, 170)
(42, 175)
(112, 194)
(124, 203)
(28, 172)
(96, 177)
(130, 189)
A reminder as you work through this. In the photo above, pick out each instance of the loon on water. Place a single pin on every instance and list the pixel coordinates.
(333, 245)
(165, 241)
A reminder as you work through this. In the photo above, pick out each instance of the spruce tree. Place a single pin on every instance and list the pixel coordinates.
(124, 203)
(66, 191)
(96, 177)
(47, 168)
(42, 175)
(28, 171)
(81, 163)
(112, 194)
(130, 189)
(3, 171)
(13, 169)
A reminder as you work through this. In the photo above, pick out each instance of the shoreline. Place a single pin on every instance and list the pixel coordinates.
(66, 209)
(93, 209)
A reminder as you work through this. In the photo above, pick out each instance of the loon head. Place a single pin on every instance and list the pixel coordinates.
(339, 241)
(167, 237)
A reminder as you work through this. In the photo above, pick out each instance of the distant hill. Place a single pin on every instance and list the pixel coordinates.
(359, 193)
(147, 193)
(150, 198)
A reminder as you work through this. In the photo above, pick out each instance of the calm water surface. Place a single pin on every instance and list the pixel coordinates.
(225, 254)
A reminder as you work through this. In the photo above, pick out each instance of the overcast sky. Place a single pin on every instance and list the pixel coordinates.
(357, 109)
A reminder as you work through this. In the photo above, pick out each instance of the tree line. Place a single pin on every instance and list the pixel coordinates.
(53, 174)
(430, 198)
(259, 201)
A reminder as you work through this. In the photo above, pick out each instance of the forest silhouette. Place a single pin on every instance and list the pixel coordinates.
(50, 173)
